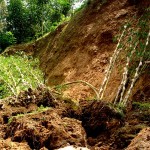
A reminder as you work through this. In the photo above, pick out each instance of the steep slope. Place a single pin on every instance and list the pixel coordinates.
(81, 49)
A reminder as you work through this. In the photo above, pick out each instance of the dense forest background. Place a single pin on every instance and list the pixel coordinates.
(25, 20)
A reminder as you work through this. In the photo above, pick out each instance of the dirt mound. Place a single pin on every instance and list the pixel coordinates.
(9, 145)
(141, 141)
(39, 96)
(39, 119)
(98, 117)
(46, 129)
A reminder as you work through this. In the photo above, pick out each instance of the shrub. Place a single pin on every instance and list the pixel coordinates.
(6, 39)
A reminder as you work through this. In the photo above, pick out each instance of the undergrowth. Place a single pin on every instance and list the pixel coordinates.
(18, 73)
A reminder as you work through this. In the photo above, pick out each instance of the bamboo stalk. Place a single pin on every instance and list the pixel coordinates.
(84, 82)
(111, 65)
(126, 70)
(10, 86)
(136, 75)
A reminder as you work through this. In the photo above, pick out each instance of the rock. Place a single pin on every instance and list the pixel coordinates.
(141, 141)
(121, 13)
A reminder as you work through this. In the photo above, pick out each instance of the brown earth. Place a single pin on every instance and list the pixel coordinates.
(39, 119)
(141, 141)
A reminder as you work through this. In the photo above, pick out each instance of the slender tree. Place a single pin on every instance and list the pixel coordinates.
(16, 19)
(3, 14)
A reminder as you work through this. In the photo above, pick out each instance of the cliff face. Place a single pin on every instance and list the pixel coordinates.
(81, 49)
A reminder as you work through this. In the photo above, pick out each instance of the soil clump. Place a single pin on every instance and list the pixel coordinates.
(38, 119)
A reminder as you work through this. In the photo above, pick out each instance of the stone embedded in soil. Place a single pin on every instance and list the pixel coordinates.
(141, 141)
(46, 129)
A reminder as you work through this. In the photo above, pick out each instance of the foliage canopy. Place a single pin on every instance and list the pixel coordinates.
(30, 19)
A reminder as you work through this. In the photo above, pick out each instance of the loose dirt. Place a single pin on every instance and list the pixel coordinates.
(39, 119)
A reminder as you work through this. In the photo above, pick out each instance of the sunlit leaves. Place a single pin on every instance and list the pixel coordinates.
(17, 20)
(18, 73)
(3, 14)
(32, 18)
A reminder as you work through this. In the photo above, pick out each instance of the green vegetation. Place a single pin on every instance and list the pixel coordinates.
(32, 18)
(141, 106)
(17, 73)
(39, 110)
(29, 19)
(6, 39)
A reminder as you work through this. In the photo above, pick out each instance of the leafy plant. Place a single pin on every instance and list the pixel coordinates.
(31, 19)
(18, 73)
(6, 39)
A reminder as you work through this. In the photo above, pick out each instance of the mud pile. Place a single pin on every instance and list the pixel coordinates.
(36, 118)
(39, 119)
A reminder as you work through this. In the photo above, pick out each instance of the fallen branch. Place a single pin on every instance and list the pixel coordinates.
(84, 82)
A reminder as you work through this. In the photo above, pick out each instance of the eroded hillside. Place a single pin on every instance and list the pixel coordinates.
(81, 49)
